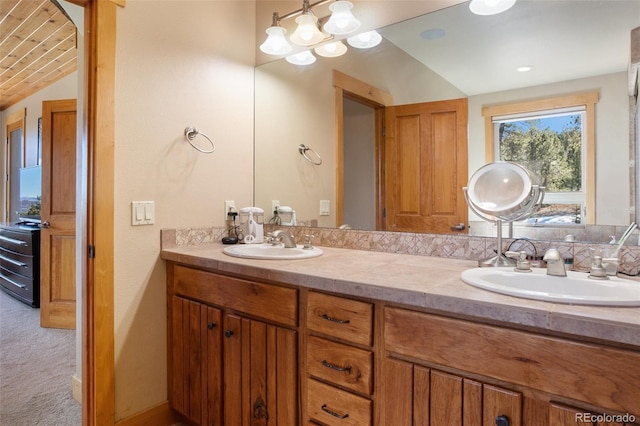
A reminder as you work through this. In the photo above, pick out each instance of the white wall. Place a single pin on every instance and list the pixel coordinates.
(179, 64)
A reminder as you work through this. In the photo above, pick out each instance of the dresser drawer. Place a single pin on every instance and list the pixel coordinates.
(271, 302)
(333, 407)
(341, 364)
(16, 262)
(346, 319)
(21, 287)
(20, 242)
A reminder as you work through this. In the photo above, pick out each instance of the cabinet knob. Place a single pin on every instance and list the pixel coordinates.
(228, 333)
(211, 325)
(502, 421)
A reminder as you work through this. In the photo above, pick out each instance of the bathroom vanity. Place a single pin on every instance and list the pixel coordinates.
(366, 338)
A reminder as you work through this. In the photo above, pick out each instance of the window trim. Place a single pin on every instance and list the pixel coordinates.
(586, 99)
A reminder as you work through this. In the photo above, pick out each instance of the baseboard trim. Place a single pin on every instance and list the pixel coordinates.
(76, 387)
(159, 415)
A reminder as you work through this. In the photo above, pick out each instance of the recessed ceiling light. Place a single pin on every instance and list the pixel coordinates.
(523, 69)
(433, 34)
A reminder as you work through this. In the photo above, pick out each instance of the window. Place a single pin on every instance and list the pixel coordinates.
(554, 139)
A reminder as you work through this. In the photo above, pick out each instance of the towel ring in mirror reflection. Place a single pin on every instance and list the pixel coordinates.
(190, 134)
(302, 148)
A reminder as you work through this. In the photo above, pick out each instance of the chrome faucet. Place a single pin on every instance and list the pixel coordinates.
(555, 263)
(286, 238)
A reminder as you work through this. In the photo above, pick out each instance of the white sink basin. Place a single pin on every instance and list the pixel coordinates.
(267, 251)
(575, 288)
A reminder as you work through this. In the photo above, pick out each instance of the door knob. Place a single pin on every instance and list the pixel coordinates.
(502, 421)
(45, 224)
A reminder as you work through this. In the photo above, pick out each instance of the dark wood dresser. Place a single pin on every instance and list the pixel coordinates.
(20, 262)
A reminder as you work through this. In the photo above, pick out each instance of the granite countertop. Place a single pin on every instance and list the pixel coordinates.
(429, 283)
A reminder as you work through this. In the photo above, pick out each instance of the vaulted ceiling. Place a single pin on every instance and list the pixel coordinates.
(37, 47)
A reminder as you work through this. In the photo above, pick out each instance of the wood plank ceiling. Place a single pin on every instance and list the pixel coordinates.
(37, 48)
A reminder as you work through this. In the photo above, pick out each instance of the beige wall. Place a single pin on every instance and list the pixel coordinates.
(179, 64)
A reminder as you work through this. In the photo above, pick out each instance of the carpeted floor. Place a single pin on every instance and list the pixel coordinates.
(36, 366)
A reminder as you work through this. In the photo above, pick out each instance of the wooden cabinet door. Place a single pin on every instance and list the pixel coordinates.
(195, 386)
(260, 373)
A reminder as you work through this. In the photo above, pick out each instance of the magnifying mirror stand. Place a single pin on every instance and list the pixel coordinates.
(485, 197)
(499, 260)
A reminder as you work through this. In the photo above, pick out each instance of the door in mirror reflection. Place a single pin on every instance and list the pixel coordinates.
(426, 166)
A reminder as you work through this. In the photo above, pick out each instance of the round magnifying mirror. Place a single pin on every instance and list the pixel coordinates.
(500, 189)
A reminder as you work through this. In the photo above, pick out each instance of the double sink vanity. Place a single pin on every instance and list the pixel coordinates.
(353, 337)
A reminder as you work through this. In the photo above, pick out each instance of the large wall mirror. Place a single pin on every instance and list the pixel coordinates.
(571, 46)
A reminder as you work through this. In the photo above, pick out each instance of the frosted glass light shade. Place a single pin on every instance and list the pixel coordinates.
(342, 20)
(331, 50)
(490, 7)
(302, 58)
(276, 43)
(365, 40)
(307, 32)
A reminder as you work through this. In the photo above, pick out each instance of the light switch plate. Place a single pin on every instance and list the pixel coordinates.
(325, 207)
(143, 213)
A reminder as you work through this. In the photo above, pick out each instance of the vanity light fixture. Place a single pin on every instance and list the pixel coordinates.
(490, 7)
(308, 31)
(365, 40)
(331, 50)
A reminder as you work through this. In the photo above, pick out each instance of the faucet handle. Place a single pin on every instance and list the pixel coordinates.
(522, 264)
(597, 269)
(308, 239)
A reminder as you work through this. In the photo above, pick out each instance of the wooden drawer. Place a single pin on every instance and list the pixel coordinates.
(271, 302)
(20, 242)
(16, 262)
(557, 366)
(341, 364)
(332, 406)
(345, 319)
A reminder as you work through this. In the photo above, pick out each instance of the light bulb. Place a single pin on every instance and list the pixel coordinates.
(342, 20)
(302, 58)
(365, 40)
(331, 50)
(307, 32)
(276, 43)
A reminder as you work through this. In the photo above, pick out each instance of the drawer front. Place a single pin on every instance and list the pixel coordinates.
(271, 302)
(16, 262)
(346, 319)
(24, 288)
(20, 242)
(340, 364)
(335, 407)
(558, 366)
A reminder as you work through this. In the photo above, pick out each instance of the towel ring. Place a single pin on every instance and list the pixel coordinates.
(302, 148)
(190, 134)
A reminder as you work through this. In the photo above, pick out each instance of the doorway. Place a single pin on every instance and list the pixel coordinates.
(15, 127)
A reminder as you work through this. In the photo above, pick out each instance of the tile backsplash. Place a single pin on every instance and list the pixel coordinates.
(436, 245)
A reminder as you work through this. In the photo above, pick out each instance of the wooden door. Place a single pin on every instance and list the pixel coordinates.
(58, 238)
(426, 166)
